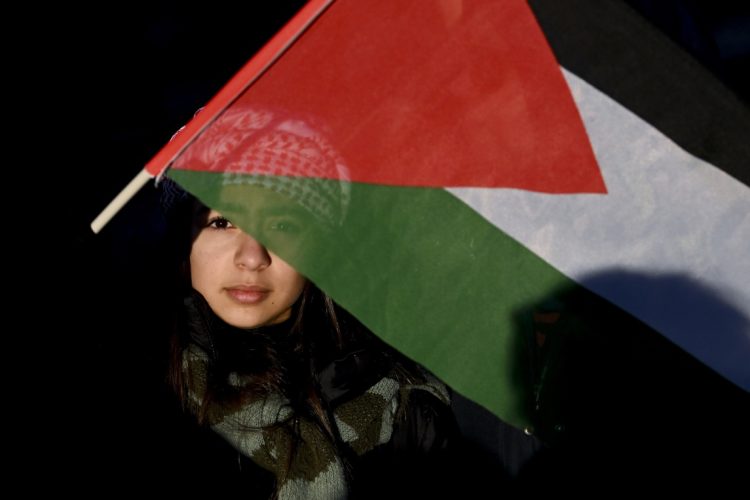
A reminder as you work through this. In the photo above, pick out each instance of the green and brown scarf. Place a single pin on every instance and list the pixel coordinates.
(305, 463)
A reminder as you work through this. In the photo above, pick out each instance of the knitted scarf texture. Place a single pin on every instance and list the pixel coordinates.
(261, 430)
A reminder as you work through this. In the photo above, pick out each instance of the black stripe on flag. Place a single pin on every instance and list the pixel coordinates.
(613, 48)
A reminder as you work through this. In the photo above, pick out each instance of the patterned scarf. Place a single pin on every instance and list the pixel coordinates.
(304, 460)
(257, 429)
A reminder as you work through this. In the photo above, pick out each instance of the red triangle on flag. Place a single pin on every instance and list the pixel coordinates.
(442, 94)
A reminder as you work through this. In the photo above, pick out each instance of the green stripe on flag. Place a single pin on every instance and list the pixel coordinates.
(417, 266)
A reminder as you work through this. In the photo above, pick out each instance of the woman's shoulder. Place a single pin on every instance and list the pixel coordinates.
(425, 423)
(417, 437)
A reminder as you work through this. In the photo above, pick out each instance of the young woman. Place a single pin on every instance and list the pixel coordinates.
(313, 404)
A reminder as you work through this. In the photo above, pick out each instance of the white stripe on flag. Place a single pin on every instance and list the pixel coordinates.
(677, 222)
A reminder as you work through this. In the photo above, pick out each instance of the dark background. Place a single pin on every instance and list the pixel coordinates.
(114, 84)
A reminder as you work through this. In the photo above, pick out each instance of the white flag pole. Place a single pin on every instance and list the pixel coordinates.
(120, 200)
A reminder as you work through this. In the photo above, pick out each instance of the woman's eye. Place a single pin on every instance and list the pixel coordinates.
(219, 223)
(285, 226)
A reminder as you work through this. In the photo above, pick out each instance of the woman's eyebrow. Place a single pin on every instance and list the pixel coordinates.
(231, 207)
(285, 210)
(266, 210)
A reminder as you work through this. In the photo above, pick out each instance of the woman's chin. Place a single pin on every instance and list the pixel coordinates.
(256, 321)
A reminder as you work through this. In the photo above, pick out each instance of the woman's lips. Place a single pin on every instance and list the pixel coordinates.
(248, 294)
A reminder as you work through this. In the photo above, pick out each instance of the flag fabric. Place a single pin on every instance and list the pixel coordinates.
(449, 171)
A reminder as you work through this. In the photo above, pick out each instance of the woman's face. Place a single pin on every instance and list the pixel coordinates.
(245, 284)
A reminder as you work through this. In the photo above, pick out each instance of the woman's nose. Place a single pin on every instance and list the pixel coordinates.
(250, 254)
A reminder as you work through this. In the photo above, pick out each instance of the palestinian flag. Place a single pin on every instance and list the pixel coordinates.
(481, 182)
